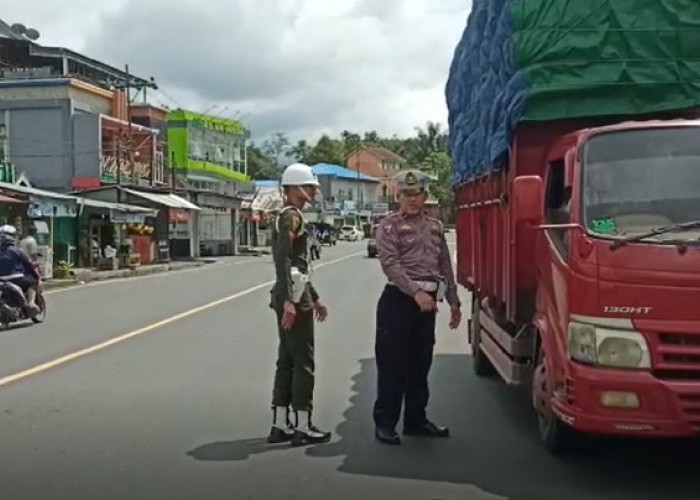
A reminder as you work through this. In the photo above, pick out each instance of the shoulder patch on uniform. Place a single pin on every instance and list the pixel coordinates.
(294, 222)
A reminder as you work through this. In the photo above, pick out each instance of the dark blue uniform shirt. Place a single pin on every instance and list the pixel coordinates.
(13, 260)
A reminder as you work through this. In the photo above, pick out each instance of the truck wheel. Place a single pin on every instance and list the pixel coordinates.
(555, 435)
(481, 365)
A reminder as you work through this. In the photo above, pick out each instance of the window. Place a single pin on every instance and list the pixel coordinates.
(558, 206)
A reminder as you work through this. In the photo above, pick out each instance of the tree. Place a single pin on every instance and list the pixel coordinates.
(439, 165)
(276, 148)
(259, 165)
(327, 150)
(351, 142)
(301, 151)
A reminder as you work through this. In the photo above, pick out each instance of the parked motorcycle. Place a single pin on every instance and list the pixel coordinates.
(13, 307)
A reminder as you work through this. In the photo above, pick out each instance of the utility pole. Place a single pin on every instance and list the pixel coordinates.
(130, 140)
(359, 183)
(118, 163)
(127, 84)
(172, 171)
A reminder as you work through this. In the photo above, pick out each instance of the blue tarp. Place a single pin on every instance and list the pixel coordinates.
(485, 92)
(543, 60)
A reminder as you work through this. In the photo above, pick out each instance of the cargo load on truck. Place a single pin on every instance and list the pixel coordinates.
(542, 60)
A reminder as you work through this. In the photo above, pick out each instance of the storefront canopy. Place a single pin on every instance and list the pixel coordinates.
(165, 199)
(31, 191)
(43, 203)
(119, 207)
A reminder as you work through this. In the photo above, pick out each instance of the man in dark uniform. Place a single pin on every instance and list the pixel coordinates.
(295, 302)
(414, 256)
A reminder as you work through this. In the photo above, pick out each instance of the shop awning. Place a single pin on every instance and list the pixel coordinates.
(169, 200)
(40, 193)
(44, 203)
(119, 207)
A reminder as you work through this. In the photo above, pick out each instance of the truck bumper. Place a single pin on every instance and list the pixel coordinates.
(653, 407)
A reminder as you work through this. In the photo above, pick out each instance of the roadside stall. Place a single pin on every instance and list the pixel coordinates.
(44, 209)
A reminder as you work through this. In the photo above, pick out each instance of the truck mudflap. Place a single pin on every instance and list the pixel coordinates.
(510, 355)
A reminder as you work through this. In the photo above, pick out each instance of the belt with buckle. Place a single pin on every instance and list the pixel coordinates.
(426, 286)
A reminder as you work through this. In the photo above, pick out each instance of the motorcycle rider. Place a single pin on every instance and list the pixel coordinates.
(14, 261)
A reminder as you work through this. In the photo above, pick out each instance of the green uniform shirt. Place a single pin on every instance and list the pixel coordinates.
(290, 249)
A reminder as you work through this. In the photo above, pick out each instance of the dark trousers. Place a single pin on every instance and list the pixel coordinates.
(294, 376)
(404, 344)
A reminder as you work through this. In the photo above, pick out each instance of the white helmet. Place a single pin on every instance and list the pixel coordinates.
(299, 174)
(8, 232)
(8, 229)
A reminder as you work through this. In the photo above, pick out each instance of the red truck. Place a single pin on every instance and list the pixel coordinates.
(580, 245)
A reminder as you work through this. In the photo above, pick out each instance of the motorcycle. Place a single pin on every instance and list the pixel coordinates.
(13, 306)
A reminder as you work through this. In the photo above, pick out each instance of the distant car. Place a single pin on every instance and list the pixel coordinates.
(351, 233)
(372, 243)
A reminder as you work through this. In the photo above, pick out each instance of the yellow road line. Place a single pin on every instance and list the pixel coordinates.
(35, 370)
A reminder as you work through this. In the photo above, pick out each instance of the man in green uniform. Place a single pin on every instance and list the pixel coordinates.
(295, 302)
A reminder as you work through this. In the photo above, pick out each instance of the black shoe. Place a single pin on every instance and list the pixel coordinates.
(278, 435)
(427, 429)
(312, 435)
(387, 436)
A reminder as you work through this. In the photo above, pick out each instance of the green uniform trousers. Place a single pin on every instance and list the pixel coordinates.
(294, 376)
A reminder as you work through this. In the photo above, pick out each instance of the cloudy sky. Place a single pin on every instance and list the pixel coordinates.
(303, 67)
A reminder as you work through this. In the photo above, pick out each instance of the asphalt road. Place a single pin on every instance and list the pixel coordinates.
(159, 387)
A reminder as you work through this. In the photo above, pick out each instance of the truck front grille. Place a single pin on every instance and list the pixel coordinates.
(677, 356)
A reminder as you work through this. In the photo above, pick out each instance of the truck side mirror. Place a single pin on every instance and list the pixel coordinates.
(528, 199)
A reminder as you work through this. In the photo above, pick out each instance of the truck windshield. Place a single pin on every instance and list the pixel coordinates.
(635, 181)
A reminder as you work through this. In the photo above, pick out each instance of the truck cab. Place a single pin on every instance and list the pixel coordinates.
(615, 338)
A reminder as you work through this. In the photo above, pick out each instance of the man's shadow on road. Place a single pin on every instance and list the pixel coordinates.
(226, 451)
(494, 446)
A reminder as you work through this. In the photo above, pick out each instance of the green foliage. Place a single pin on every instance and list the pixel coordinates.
(260, 166)
(427, 150)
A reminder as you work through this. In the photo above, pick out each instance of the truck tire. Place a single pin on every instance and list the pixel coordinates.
(555, 435)
(481, 365)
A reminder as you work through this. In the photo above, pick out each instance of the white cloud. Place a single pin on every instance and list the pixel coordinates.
(303, 67)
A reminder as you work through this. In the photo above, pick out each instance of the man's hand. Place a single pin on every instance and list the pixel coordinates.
(321, 311)
(289, 314)
(425, 301)
(455, 317)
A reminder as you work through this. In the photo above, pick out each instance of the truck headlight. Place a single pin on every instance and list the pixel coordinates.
(607, 347)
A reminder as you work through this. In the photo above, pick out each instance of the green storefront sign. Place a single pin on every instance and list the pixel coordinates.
(180, 123)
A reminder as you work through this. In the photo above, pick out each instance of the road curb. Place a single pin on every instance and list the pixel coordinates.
(122, 274)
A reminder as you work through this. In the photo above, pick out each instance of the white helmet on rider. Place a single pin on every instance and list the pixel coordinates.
(8, 232)
(299, 174)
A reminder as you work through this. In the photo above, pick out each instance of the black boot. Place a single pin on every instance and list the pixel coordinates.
(426, 429)
(281, 430)
(307, 433)
(387, 436)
